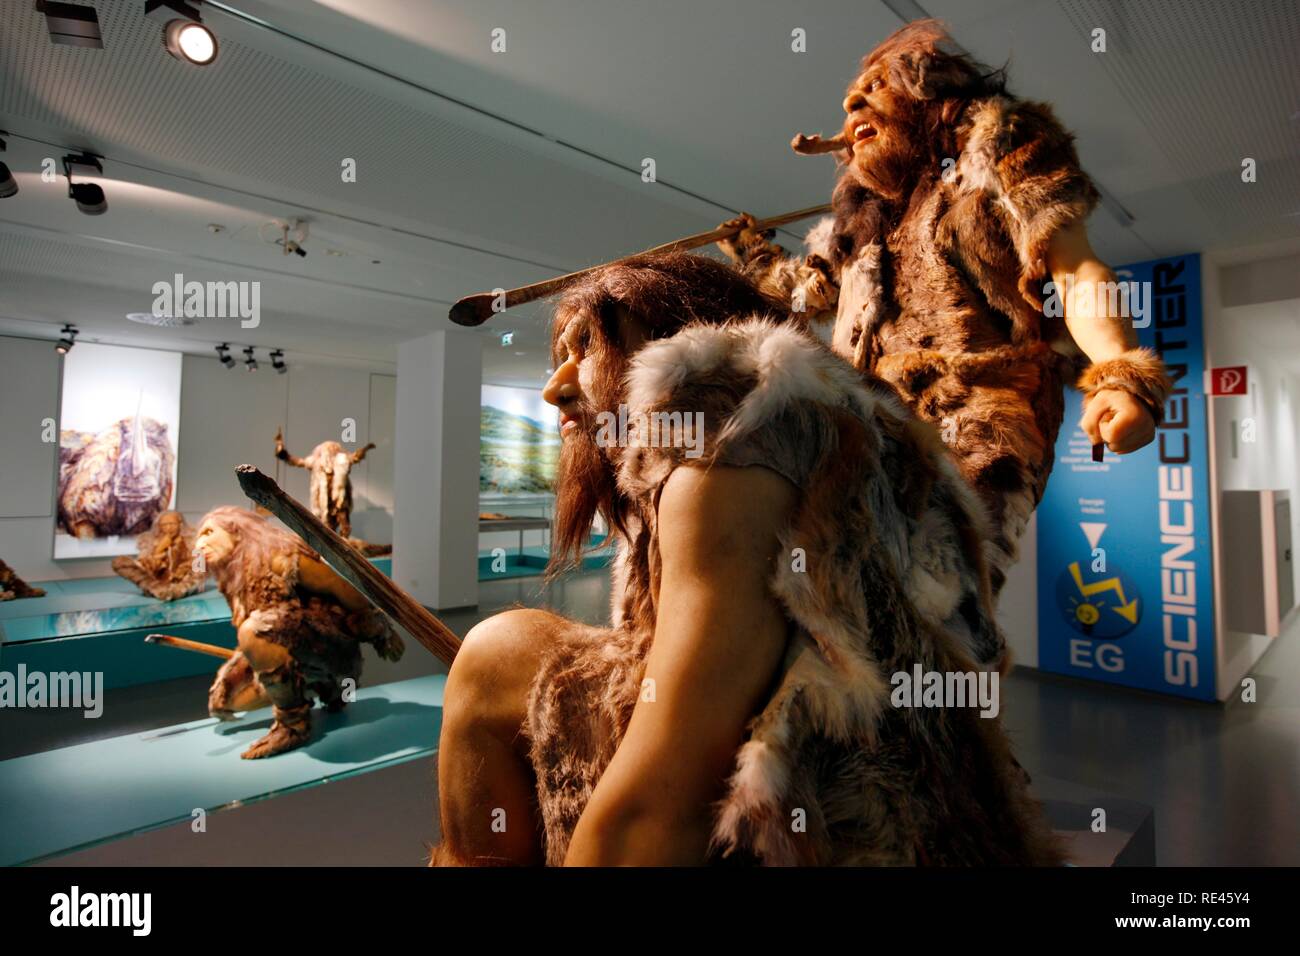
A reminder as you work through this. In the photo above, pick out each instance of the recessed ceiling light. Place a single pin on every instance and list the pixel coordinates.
(162, 321)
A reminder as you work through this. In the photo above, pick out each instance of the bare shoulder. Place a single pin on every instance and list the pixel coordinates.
(723, 518)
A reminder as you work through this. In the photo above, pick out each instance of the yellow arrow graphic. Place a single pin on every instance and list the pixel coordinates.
(1126, 609)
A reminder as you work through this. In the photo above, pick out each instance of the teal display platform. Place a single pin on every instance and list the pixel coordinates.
(79, 796)
(99, 625)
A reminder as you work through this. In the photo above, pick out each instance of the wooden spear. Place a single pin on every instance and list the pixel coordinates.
(476, 309)
(440, 640)
(199, 647)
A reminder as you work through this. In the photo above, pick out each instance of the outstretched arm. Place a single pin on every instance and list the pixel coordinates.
(806, 285)
(360, 453)
(1124, 416)
(718, 643)
(282, 453)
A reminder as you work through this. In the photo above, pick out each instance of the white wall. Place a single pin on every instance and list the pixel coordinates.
(1238, 335)
(228, 418)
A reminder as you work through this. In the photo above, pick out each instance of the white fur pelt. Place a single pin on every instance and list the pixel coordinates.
(891, 575)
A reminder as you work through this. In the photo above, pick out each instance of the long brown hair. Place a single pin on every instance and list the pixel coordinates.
(663, 293)
(250, 578)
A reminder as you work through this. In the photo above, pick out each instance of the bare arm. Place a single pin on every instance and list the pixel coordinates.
(1100, 336)
(1111, 416)
(283, 454)
(319, 577)
(717, 645)
(360, 453)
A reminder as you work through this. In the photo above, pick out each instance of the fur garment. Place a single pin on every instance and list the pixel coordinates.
(164, 564)
(892, 576)
(1139, 372)
(12, 587)
(330, 467)
(941, 295)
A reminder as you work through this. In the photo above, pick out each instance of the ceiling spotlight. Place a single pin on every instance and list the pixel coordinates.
(71, 24)
(89, 197)
(223, 355)
(67, 340)
(250, 363)
(277, 361)
(184, 35)
(8, 185)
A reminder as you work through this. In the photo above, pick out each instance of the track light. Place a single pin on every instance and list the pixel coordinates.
(8, 185)
(277, 361)
(89, 197)
(223, 355)
(184, 35)
(250, 363)
(68, 339)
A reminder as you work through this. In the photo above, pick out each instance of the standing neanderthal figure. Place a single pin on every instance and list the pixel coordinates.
(790, 540)
(300, 626)
(955, 203)
(164, 565)
(331, 484)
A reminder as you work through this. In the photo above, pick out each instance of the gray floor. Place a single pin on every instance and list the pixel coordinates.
(1224, 781)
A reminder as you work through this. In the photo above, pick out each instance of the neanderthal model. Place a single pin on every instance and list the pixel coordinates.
(955, 203)
(330, 467)
(739, 705)
(13, 587)
(300, 626)
(164, 567)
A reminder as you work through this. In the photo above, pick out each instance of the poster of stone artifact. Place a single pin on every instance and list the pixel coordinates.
(118, 434)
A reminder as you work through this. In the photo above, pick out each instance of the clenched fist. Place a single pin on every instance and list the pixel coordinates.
(1118, 419)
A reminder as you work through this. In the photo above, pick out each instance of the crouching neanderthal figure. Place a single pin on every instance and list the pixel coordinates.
(956, 204)
(780, 557)
(300, 626)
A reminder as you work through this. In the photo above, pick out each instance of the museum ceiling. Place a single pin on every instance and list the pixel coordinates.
(478, 169)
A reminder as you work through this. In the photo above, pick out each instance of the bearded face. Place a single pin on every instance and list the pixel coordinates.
(881, 126)
(589, 368)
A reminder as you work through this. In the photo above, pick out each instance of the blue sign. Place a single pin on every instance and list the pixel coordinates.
(1125, 581)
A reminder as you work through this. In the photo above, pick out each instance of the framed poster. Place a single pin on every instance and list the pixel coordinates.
(119, 425)
(519, 442)
(1125, 576)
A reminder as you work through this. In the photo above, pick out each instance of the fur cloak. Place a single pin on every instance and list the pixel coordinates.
(892, 576)
(941, 295)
